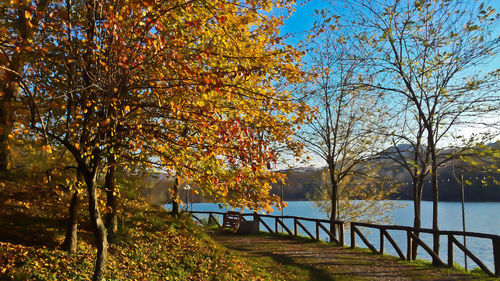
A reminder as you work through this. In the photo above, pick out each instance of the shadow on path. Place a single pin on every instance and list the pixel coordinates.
(315, 273)
(326, 262)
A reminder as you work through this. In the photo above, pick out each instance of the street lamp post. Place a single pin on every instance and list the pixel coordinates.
(187, 188)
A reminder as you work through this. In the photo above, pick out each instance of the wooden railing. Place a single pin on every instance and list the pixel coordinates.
(279, 221)
(412, 238)
(383, 235)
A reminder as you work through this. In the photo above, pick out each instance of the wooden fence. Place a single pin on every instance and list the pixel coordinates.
(324, 225)
(279, 221)
(412, 238)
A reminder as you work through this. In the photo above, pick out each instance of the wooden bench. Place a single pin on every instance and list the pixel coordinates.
(231, 221)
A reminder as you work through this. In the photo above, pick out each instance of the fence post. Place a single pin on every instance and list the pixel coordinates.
(450, 250)
(496, 255)
(256, 218)
(353, 236)
(317, 230)
(409, 245)
(295, 226)
(276, 225)
(341, 234)
(381, 240)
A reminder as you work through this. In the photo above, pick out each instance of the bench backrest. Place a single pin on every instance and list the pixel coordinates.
(231, 220)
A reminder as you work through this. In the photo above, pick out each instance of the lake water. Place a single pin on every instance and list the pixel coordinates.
(480, 217)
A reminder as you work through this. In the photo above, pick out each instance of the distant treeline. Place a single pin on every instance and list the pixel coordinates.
(302, 184)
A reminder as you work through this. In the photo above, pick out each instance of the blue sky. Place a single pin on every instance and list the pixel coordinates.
(304, 17)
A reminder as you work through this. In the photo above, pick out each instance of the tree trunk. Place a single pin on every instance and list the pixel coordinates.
(8, 90)
(175, 198)
(435, 200)
(417, 221)
(9, 84)
(435, 196)
(70, 242)
(111, 204)
(334, 200)
(98, 226)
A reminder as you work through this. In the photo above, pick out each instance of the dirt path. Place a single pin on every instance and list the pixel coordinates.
(326, 262)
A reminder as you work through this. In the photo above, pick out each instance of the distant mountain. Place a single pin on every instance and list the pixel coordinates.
(405, 149)
(480, 187)
(303, 182)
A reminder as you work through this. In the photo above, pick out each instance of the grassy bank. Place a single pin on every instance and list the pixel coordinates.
(150, 244)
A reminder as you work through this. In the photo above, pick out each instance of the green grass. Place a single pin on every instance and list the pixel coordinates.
(475, 273)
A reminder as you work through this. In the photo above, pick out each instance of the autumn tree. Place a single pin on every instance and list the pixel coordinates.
(18, 22)
(19, 25)
(70, 102)
(425, 55)
(233, 113)
(188, 85)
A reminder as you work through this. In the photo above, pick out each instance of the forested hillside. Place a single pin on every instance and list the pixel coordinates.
(479, 186)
